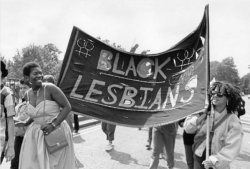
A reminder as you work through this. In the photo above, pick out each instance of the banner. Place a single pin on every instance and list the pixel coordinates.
(134, 89)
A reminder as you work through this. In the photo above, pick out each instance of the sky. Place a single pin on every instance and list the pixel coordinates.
(155, 25)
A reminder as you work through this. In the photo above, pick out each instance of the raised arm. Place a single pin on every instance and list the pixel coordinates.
(192, 122)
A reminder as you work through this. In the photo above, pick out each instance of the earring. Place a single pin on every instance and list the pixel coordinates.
(227, 102)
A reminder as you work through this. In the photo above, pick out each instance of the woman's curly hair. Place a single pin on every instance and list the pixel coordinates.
(231, 92)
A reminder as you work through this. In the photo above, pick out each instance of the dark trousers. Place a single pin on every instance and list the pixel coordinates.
(2, 157)
(6, 140)
(163, 136)
(150, 133)
(109, 130)
(17, 146)
(198, 160)
(189, 156)
(76, 122)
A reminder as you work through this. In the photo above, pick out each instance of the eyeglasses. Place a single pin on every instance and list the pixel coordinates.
(218, 94)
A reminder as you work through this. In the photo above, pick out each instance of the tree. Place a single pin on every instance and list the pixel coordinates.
(2, 58)
(106, 41)
(225, 71)
(245, 83)
(46, 57)
(213, 69)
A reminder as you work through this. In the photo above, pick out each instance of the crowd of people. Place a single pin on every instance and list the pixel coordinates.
(30, 130)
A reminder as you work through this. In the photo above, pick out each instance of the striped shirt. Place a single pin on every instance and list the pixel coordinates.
(9, 105)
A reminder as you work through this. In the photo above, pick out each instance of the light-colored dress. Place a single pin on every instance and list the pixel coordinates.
(34, 154)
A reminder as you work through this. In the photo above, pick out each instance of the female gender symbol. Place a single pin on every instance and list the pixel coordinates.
(85, 46)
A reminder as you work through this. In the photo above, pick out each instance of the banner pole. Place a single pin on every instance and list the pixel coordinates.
(208, 82)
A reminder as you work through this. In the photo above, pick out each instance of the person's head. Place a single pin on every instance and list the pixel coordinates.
(4, 71)
(224, 94)
(33, 73)
(24, 86)
(49, 79)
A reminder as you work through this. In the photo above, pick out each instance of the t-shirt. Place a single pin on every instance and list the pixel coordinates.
(8, 106)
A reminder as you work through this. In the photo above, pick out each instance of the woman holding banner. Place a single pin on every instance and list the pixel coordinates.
(225, 129)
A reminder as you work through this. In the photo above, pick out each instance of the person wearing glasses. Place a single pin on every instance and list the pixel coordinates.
(225, 128)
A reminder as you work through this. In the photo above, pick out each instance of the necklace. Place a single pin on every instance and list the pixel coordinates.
(37, 91)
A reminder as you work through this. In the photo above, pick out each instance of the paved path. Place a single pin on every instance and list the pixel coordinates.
(130, 151)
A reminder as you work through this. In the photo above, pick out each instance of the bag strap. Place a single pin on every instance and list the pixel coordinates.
(198, 143)
(221, 120)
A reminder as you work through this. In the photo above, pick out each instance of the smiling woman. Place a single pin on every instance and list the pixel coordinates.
(226, 130)
(48, 107)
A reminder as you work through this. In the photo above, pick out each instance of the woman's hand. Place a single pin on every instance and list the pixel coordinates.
(9, 153)
(47, 128)
(208, 164)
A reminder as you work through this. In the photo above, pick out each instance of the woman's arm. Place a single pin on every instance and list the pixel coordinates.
(24, 123)
(9, 105)
(193, 121)
(10, 123)
(10, 153)
(58, 96)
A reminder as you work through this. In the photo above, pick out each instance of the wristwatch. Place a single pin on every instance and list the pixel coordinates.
(53, 124)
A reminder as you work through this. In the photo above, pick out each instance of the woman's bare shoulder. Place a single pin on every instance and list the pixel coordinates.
(51, 88)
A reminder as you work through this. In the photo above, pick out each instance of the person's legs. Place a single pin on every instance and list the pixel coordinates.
(17, 145)
(169, 131)
(163, 153)
(157, 148)
(198, 165)
(104, 128)
(111, 132)
(76, 122)
(198, 161)
(150, 129)
(189, 156)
